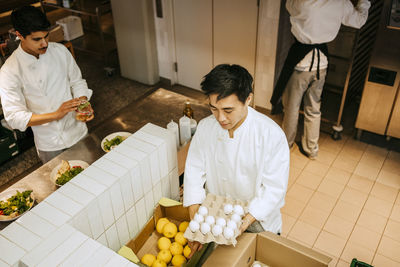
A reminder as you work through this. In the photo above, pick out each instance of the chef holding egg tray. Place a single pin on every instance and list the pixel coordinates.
(236, 153)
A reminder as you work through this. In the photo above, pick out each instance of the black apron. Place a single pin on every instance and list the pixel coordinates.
(296, 53)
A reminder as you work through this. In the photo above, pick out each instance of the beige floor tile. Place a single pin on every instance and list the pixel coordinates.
(330, 188)
(354, 250)
(353, 196)
(389, 248)
(378, 205)
(322, 202)
(332, 145)
(351, 153)
(391, 165)
(367, 171)
(389, 178)
(398, 199)
(293, 207)
(326, 157)
(294, 173)
(356, 144)
(338, 175)
(392, 230)
(376, 151)
(298, 161)
(287, 224)
(304, 232)
(393, 155)
(360, 183)
(384, 192)
(300, 192)
(309, 179)
(382, 261)
(330, 243)
(347, 211)
(395, 214)
(339, 226)
(317, 168)
(314, 216)
(372, 221)
(372, 160)
(365, 237)
(345, 164)
(342, 263)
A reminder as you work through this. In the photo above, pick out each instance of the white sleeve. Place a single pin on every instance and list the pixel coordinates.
(13, 101)
(78, 85)
(194, 180)
(355, 16)
(274, 179)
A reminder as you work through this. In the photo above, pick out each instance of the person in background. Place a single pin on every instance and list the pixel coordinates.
(237, 152)
(41, 86)
(314, 23)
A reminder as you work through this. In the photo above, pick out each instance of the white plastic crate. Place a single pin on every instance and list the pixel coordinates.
(72, 26)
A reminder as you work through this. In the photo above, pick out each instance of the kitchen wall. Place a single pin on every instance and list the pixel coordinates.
(267, 39)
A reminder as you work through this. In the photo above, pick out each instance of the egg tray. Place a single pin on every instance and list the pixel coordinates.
(215, 205)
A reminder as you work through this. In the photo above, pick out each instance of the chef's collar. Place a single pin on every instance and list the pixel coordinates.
(27, 58)
(240, 123)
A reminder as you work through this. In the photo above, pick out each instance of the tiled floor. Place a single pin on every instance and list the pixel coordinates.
(346, 203)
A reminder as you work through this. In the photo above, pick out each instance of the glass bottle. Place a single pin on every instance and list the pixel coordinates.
(188, 111)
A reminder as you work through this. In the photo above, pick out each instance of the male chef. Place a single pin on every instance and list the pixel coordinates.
(237, 152)
(41, 86)
(314, 23)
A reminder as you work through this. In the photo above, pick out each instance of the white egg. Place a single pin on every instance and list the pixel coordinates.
(221, 222)
(194, 226)
(238, 210)
(216, 230)
(202, 211)
(228, 209)
(256, 265)
(228, 233)
(198, 218)
(231, 224)
(205, 228)
(236, 218)
(210, 220)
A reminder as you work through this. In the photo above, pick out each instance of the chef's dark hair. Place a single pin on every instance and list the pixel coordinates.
(226, 80)
(28, 19)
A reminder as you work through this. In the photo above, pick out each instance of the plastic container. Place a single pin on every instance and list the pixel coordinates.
(72, 27)
(174, 129)
(184, 130)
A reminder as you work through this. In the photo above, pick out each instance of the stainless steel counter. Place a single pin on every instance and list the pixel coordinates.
(158, 108)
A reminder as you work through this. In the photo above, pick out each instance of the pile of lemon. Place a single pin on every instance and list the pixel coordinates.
(175, 252)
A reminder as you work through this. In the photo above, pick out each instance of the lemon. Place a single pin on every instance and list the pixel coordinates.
(183, 226)
(176, 248)
(186, 251)
(159, 263)
(164, 255)
(170, 230)
(160, 224)
(148, 259)
(178, 260)
(163, 243)
(180, 238)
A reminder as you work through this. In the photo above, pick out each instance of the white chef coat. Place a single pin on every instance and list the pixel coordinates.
(252, 166)
(311, 27)
(36, 86)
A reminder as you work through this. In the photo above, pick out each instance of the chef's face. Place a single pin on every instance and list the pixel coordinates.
(35, 43)
(229, 110)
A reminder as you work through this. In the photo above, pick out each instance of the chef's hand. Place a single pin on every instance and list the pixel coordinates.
(194, 247)
(66, 107)
(247, 220)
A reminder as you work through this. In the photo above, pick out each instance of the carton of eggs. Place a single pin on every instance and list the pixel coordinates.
(228, 208)
(210, 220)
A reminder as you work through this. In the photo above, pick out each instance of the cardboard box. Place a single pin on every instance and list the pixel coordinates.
(268, 248)
(56, 34)
(146, 240)
(72, 26)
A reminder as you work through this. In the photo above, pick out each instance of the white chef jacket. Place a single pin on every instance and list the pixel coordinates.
(36, 86)
(311, 27)
(252, 166)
